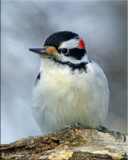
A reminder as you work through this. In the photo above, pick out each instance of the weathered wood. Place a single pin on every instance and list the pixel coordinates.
(72, 145)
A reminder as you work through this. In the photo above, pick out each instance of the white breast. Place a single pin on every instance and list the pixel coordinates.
(62, 98)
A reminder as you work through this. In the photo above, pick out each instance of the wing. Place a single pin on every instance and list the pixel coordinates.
(37, 78)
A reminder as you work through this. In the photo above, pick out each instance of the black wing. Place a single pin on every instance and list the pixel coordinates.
(37, 78)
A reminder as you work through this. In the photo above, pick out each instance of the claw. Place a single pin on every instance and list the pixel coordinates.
(113, 133)
(75, 126)
(79, 126)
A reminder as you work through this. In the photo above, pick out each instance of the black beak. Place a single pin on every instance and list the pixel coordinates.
(40, 51)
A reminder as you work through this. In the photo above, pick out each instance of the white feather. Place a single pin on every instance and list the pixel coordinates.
(62, 98)
(72, 43)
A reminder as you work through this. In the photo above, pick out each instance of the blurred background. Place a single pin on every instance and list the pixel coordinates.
(26, 24)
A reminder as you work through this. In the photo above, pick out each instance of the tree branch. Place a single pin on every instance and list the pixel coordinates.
(70, 145)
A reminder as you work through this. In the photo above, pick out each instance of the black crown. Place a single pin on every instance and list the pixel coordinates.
(57, 38)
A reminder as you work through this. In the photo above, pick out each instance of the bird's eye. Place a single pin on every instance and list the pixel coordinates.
(64, 50)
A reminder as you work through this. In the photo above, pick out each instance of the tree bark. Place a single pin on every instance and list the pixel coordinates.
(68, 145)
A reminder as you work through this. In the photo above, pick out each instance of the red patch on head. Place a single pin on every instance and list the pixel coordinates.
(81, 43)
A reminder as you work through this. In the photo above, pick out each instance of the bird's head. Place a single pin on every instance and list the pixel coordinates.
(63, 46)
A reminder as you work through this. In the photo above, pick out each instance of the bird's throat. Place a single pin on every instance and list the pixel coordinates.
(82, 66)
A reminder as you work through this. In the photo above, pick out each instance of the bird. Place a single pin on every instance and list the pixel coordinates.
(71, 90)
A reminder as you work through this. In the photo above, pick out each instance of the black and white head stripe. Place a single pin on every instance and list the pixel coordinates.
(75, 52)
(67, 43)
(59, 37)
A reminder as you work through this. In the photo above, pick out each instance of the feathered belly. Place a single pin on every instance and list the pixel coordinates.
(58, 106)
(63, 100)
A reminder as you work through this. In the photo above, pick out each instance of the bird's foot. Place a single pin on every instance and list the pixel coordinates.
(115, 134)
(75, 126)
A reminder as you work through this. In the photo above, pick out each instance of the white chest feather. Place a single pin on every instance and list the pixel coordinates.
(62, 97)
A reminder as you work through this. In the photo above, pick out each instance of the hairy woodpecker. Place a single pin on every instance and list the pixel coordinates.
(71, 90)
